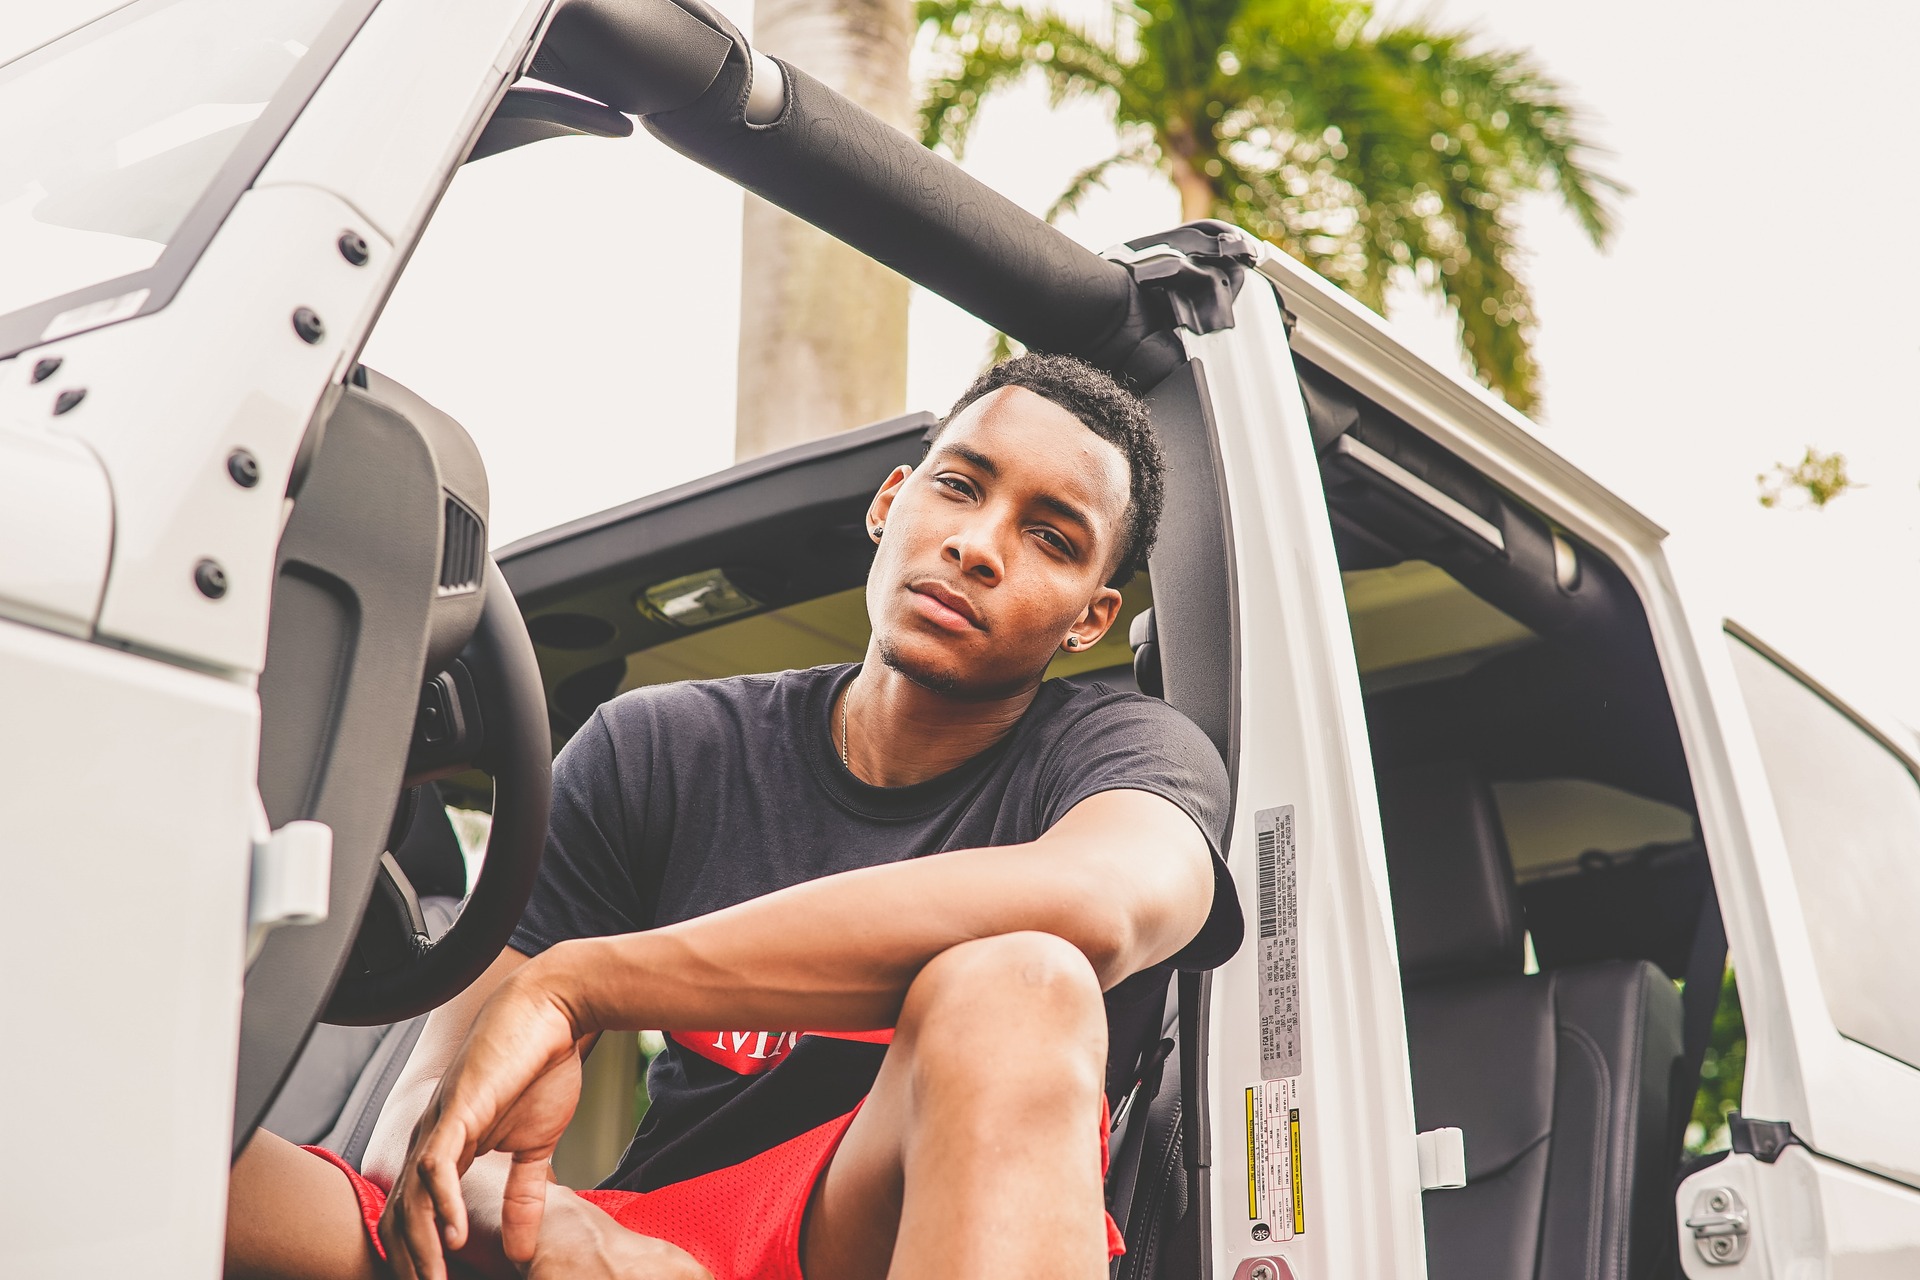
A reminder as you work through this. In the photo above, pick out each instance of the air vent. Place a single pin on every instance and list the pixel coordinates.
(463, 549)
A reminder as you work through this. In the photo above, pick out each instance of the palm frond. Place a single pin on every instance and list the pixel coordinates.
(1421, 188)
(985, 46)
(1502, 100)
(1141, 153)
(1366, 149)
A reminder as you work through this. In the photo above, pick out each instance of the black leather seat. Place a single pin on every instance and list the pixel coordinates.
(1562, 1082)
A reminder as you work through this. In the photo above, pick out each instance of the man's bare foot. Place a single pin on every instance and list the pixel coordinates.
(579, 1242)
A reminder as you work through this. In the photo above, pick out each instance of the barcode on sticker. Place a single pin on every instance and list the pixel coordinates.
(1279, 943)
(1269, 853)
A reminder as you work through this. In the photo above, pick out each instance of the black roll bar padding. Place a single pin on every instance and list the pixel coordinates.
(862, 181)
(839, 167)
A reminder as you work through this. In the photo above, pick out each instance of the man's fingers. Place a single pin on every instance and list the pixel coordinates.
(521, 1210)
(431, 1213)
(403, 1221)
(440, 1175)
(394, 1246)
(420, 1238)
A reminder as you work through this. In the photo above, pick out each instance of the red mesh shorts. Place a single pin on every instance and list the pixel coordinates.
(740, 1223)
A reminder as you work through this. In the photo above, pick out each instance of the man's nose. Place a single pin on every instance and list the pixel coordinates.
(975, 552)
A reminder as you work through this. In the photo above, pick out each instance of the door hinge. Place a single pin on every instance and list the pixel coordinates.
(1719, 1226)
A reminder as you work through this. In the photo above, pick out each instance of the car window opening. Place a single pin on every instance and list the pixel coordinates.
(1543, 848)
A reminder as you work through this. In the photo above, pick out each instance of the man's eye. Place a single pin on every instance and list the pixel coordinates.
(956, 484)
(1055, 541)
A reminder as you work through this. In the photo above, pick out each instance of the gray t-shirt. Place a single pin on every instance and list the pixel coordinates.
(677, 800)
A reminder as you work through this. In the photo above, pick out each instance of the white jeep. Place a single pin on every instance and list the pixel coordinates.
(1509, 792)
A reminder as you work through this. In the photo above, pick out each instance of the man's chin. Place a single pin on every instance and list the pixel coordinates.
(931, 674)
(947, 676)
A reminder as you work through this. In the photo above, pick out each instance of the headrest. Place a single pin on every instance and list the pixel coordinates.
(1144, 637)
(1455, 909)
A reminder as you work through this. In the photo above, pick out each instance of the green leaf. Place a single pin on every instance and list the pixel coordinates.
(1369, 149)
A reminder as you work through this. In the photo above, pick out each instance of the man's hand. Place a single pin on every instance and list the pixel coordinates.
(512, 1087)
(579, 1242)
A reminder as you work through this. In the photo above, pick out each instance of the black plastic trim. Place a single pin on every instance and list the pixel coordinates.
(547, 566)
(1768, 1140)
(1197, 282)
(527, 116)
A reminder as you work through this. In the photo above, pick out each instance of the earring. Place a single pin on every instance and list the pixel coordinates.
(1073, 642)
(878, 530)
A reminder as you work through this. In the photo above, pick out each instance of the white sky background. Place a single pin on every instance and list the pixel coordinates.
(575, 303)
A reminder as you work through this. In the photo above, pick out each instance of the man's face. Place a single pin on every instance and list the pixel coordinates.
(997, 547)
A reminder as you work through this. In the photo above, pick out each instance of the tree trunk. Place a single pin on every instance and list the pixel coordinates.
(823, 328)
(1196, 189)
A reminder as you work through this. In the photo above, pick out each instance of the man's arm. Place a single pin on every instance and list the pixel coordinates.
(1125, 876)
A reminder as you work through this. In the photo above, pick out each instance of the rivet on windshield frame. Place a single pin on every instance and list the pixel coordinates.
(244, 468)
(44, 369)
(67, 399)
(211, 579)
(307, 325)
(353, 247)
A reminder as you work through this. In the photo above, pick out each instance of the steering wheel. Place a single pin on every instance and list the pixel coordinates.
(487, 710)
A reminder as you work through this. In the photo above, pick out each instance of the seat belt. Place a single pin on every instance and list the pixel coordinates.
(1706, 968)
(1195, 994)
(1123, 1181)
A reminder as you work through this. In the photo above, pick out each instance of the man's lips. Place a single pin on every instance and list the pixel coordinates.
(947, 607)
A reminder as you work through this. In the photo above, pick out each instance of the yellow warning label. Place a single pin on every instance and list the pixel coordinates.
(1299, 1197)
(1253, 1162)
(1276, 1205)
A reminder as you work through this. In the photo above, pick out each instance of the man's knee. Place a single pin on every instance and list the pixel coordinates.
(997, 1000)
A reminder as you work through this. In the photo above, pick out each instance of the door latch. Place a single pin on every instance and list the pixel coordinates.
(292, 879)
(1443, 1159)
(1719, 1226)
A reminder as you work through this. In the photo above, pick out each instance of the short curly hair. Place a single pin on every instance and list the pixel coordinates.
(1108, 410)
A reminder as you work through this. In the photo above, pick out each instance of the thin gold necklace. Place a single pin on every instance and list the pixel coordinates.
(846, 696)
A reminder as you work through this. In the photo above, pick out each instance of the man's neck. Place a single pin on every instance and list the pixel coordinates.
(898, 733)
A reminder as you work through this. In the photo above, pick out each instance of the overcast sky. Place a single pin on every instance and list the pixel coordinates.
(575, 303)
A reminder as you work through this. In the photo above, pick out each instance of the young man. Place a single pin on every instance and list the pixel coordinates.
(875, 907)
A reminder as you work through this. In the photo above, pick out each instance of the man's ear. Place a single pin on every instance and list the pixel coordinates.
(1094, 623)
(883, 500)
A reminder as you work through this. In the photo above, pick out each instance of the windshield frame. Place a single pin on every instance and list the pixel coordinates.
(145, 291)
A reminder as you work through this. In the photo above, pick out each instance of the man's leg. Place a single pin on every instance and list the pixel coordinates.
(976, 1154)
(292, 1216)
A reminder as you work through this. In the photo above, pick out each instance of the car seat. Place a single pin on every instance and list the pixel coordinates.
(1562, 1082)
(1156, 1168)
(333, 1095)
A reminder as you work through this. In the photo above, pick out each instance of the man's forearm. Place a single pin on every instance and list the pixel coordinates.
(838, 953)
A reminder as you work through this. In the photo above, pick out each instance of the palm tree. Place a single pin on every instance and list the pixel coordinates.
(823, 327)
(1367, 149)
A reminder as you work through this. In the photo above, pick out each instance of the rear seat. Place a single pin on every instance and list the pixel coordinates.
(1562, 1082)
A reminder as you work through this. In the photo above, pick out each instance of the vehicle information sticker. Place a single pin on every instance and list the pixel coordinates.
(1279, 945)
(1276, 1202)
